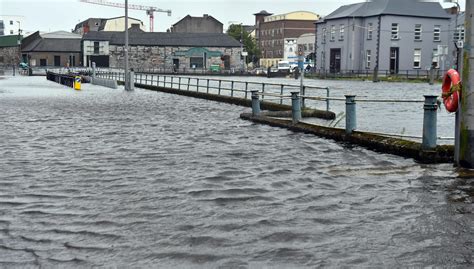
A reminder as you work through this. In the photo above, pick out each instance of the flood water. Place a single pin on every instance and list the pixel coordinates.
(109, 178)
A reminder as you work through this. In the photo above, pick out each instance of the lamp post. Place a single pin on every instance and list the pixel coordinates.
(127, 73)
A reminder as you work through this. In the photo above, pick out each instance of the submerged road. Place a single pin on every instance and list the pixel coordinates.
(108, 178)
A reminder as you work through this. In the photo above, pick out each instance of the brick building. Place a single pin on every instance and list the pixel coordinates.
(276, 35)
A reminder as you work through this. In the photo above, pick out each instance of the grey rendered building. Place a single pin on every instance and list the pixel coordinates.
(394, 35)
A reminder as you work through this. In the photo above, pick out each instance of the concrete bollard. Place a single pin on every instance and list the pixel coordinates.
(430, 132)
(93, 69)
(295, 107)
(255, 104)
(132, 80)
(351, 119)
(431, 76)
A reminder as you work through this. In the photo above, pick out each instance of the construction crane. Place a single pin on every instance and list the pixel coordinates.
(149, 10)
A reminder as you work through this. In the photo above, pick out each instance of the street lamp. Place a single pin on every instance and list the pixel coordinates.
(127, 73)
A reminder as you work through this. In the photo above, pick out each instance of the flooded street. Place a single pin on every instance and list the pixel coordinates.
(109, 178)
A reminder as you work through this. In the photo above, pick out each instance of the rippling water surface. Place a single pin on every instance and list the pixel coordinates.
(105, 177)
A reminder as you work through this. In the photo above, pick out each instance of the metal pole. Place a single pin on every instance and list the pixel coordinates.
(295, 107)
(466, 127)
(429, 123)
(255, 103)
(351, 120)
(127, 74)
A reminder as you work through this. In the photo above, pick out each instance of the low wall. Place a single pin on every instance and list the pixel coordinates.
(395, 146)
(329, 115)
(109, 83)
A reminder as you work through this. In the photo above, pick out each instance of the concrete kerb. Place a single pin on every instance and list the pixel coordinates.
(109, 83)
(395, 146)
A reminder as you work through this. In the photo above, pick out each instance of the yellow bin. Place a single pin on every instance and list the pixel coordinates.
(77, 83)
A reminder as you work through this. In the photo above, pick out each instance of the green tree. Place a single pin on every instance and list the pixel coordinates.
(249, 43)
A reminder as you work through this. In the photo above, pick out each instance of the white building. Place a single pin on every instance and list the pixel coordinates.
(9, 25)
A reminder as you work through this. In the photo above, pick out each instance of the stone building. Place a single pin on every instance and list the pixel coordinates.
(9, 50)
(101, 24)
(204, 24)
(277, 34)
(161, 50)
(52, 49)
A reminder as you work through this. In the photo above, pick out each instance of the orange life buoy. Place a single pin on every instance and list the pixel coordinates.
(451, 90)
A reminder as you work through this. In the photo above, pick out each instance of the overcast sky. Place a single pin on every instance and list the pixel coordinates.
(53, 15)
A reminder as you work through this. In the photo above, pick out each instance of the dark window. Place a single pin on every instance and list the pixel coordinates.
(11, 22)
(196, 62)
(1, 59)
(96, 48)
(57, 60)
(43, 62)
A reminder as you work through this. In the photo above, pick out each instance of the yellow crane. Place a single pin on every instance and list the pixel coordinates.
(149, 10)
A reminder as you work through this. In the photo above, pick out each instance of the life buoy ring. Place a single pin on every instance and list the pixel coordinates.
(451, 90)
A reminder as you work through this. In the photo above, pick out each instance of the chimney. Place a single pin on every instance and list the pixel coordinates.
(205, 16)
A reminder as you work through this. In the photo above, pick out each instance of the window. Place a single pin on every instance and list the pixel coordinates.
(311, 46)
(96, 47)
(11, 32)
(435, 61)
(370, 30)
(459, 34)
(418, 30)
(333, 33)
(341, 32)
(417, 58)
(2, 59)
(196, 62)
(11, 22)
(368, 56)
(305, 47)
(324, 36)
(395, 31)
(437, 33)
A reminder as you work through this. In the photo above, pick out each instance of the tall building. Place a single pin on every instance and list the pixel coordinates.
(204, 24)
(277, 34)
(390, 35)
(10, 25)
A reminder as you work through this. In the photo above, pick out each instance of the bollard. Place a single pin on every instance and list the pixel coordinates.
(77, 83)
(430, 133)
(327, 100)
(132, 80)
(255, 104)
(93, 69)
(351, 123)
(432, 76)
(295, 107)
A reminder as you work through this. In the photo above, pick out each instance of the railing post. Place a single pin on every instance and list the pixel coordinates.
(246, 89)
(281, 94)
(189, 82)
(232, 89)
(172, 82)
(207, 87)
(327, 100)
(219, 92)
(255, 103)
(351, 120)
(164, 81)
(302, 97)
(197, 84)
(146, 78)
(263, 91)
(430, 133)
(158, 81)
(295, 107)
(179, 83)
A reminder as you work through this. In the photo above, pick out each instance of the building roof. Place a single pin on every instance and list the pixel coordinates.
(138, 38)
(204, 17)
(53, 45)
(102, 21)
(263, 12)
(61, 34)
(412, 8)
(9, 41)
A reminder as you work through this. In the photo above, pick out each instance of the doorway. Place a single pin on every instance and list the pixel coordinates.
(335, 61)
(57, 60)
(175, 65)
(394, 60)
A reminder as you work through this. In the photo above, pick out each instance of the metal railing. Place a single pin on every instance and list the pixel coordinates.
(368, 74)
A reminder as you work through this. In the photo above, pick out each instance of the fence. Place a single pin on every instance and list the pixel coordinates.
(368, 74)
